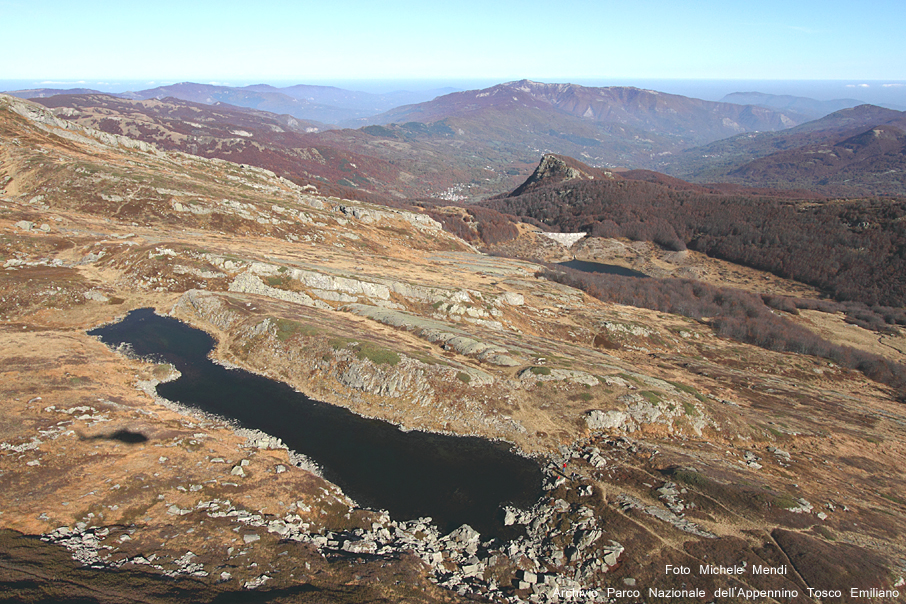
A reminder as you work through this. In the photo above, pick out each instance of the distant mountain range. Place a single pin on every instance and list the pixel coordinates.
(43, 93)
(621, 112)
(325, 104)
(609, 127)
(472, 144)
(689, 120)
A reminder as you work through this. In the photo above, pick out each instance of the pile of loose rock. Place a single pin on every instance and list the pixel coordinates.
(562, 546)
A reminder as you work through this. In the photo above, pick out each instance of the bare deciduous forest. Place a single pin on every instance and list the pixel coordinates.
(732, 313)
(853, 250)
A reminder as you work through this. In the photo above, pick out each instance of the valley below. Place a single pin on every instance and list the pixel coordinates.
(649, 441)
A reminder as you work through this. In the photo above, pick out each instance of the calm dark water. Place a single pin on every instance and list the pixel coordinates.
(597, 267)
(454, 480)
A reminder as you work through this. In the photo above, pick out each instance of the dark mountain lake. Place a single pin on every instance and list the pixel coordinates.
(597, 267)
(455, 480)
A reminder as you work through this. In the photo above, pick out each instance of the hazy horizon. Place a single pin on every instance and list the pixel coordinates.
(880, 92)
(704, 50)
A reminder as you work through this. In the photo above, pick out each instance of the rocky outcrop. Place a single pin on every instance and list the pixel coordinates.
(650, 402)
(27, 225)
(639, 411)
(403, 391)
(457, 304)
(437, 333)
(404, 379)
(45, 119)
(371, 215)
(324, 282)
(555, 169)
(248, 283)
(558, 375)
(207, 305)
(628, 502)
(606, 420)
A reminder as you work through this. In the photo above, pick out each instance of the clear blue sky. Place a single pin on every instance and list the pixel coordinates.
(233, 41)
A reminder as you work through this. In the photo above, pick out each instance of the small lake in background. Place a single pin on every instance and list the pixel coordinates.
(455, 480)
(597, 267)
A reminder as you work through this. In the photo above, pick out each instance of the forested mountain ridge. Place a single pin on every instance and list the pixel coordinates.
(853, 250)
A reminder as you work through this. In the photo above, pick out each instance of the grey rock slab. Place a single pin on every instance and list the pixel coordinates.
(251, 284)
(606, 420)
(436, 332)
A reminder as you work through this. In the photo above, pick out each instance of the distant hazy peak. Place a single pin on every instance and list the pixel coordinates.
(808, 107)
(41, 93)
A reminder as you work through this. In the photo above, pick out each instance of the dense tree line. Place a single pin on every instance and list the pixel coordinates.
(732, 313)
(852, 250)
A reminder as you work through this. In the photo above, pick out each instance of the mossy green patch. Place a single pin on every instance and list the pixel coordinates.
(367, 350)
(893, 498)
(162, 370)
(277, 281)
(541, 370)
(786, 502)
(777, 433)
(376, 354)
(691, 477)
(630, 378)
(340, 342)
(689, 390)
(287, 328)
(651, 396)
